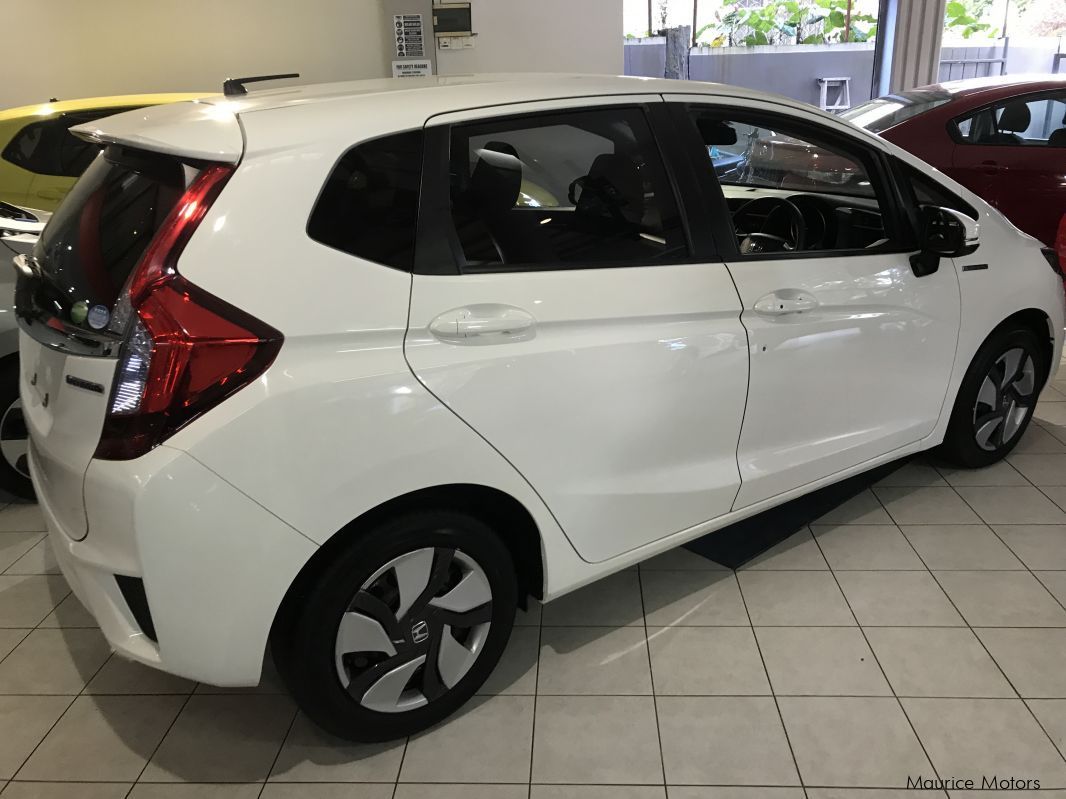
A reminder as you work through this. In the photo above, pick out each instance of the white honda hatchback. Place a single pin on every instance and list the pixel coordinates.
(353, 370)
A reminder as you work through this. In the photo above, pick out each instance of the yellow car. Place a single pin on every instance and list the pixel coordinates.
(40, 159)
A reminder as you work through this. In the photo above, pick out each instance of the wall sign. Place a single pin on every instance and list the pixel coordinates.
(412, 69)
(410, 41)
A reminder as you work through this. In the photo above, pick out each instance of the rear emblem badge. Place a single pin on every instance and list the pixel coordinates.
(419, 632)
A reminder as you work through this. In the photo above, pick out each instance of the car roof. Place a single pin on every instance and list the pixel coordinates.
(93, 103)
(455, 93)
(993, 88)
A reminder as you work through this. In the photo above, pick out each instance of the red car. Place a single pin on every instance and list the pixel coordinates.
(1004, 138)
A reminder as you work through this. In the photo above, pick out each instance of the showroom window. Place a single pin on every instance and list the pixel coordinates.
(49, 148)
(1037, 122)
(369, 205)
(578, 189)
(787, 192)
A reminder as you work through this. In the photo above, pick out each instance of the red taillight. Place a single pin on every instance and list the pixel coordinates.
(186, 350)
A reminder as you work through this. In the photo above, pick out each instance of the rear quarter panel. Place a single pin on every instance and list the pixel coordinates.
(338, 424)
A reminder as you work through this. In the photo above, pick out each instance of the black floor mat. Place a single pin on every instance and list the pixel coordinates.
(735, 545)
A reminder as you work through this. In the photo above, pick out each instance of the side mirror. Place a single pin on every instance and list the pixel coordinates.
(945, 233)
(948, 232)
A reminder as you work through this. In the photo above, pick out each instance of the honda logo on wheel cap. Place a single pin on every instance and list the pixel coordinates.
(419, 632)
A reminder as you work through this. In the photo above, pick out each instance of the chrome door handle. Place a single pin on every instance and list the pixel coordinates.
(483, 323)
(785, 301)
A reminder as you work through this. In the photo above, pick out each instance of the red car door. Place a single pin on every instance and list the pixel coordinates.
(1013, 154)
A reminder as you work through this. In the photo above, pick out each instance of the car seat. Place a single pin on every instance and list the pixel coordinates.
(495, 184)
(1015, 119)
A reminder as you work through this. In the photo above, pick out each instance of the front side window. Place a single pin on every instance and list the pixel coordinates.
(576, 189)
(789, 191)
(1034, 122)
(369, 205)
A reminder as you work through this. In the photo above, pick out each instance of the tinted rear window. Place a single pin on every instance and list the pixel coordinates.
(369, 205)
(100, 231)
(47, 147)
(886, 112)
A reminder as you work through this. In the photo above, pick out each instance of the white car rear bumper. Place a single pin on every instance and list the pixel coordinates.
(215, 565)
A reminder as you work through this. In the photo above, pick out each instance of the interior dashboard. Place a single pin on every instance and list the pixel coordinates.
(830, 221)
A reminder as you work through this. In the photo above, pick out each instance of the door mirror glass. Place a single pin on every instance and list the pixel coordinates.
(948, 232)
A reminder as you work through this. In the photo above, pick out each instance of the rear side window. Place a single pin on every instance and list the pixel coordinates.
(571, 190)
(369, 205)
(48, 147)
(886, 112)
(1022, 122)
(99, 233)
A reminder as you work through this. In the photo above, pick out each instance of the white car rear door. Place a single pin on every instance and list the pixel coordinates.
(569, 323)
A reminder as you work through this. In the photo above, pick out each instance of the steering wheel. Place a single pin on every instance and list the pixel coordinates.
(770, 224)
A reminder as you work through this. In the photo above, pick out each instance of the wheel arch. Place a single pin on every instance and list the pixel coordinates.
(508, 517)
(1039, 323)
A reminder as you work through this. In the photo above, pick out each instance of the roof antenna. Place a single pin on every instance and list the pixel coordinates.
(234, 87)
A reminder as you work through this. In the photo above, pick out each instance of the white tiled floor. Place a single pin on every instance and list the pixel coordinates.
(917, 629)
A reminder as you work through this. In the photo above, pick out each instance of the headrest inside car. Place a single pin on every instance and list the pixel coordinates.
(1015, 117)
(714, 131)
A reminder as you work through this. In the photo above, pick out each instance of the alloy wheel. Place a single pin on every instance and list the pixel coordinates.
(414, 629)
(1005, 398)
(15, 439)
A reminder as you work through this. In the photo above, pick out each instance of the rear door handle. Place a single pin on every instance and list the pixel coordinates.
(990, 167)
(785, 301)
(485, 323)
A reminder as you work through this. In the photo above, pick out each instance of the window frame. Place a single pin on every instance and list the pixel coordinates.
(899, 226)
(956, 134)
(438, 250)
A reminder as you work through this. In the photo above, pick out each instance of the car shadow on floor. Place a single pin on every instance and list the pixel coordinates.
(735, 545)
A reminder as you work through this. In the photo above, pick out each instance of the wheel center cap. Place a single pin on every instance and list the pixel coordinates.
(419, 631)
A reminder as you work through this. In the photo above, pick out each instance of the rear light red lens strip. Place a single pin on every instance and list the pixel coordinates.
(203, 349)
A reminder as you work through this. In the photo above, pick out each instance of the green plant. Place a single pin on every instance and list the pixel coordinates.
(789, 22)
(960, 19)
(841, 23)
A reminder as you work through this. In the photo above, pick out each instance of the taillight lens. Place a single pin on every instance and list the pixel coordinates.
(185, 350)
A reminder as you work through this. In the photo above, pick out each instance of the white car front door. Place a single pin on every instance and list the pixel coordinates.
(851, 350)
(570, 325)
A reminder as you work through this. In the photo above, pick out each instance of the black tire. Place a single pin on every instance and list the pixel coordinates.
(14, 477)
(961, 443)
(306, 644)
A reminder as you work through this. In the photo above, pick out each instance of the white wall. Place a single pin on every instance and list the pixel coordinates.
(541, 36)
(74, 48)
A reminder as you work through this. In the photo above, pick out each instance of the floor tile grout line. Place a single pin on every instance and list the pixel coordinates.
(651, 677)
(399, 769)
(982, 643)
(21, 641)
(770, 683)
(62, 715)
(163, 737)
(281, 747)
(873, 652)
(41, 537)
(536, 696)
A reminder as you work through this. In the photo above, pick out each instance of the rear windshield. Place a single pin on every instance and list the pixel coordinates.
(99, 233)
(886, 112)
